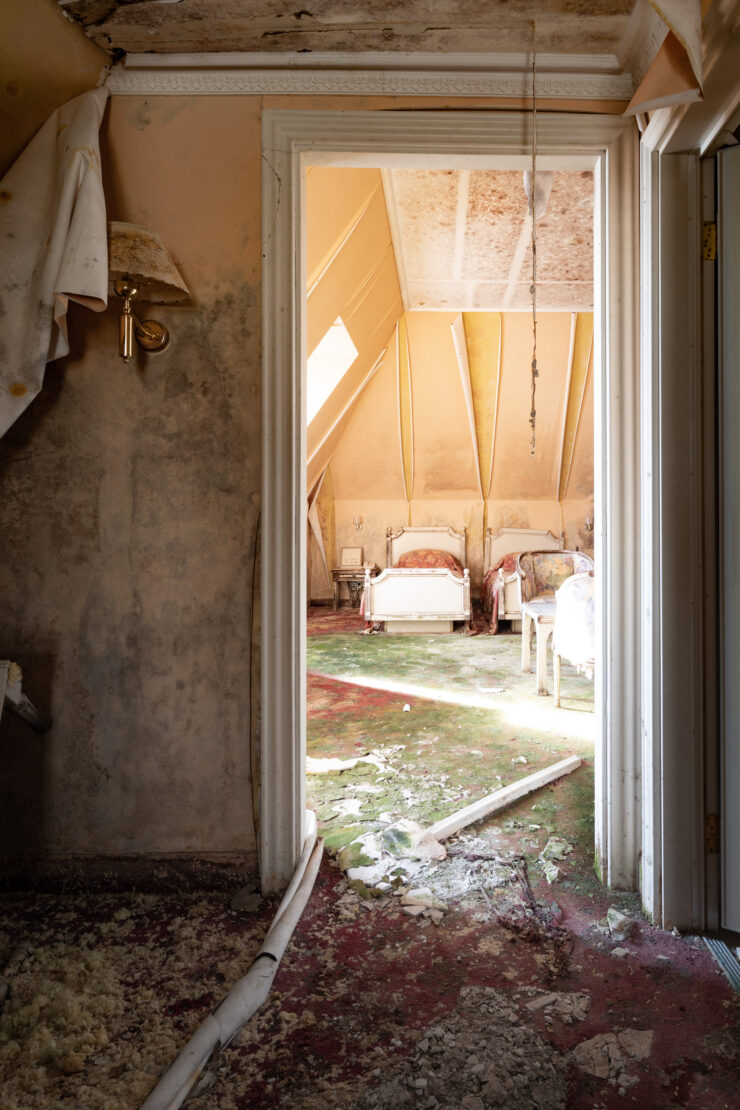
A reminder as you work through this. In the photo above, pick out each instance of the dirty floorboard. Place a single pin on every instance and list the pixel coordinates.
(488, 987)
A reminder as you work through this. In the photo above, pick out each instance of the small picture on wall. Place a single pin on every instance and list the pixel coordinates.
(351, 556)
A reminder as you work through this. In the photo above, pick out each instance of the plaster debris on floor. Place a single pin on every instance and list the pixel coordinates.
(488, 970)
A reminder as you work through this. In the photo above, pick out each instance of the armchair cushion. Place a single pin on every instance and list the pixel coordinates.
(541, 573)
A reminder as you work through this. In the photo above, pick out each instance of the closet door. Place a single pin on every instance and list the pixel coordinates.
(729, 366)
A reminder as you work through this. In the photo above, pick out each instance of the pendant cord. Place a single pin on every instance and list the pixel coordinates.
(533, 289)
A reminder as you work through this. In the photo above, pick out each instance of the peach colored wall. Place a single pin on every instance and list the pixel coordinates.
(45, 60)
(131, 498)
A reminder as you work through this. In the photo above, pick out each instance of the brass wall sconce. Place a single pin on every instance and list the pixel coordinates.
(139, 265)
(357, 522)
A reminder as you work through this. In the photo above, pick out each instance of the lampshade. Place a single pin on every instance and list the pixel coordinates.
(140, 256)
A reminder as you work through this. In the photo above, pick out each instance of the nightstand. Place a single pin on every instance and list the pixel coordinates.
(355, 579)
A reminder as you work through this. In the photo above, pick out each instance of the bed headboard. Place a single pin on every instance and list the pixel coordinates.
(507, 541)
(438, 537)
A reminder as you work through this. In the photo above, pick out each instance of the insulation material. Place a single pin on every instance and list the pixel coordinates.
(674, 75)
(53, 228)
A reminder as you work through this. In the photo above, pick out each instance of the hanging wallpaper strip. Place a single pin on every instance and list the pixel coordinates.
(405, 408)
(483, 332)
(582, 357)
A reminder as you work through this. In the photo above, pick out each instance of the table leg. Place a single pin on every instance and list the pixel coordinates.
(337, 588)
(543, 634)
(556, 677)
(526, 643)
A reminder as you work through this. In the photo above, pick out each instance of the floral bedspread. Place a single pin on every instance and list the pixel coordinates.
(429, 557)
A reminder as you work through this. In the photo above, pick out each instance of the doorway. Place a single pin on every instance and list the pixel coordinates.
(607, 146)
(420, 458)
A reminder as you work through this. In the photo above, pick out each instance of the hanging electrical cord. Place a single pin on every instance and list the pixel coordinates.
(533, 288)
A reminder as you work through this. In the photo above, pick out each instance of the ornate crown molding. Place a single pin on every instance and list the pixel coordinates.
(352, 75)
(643, 39)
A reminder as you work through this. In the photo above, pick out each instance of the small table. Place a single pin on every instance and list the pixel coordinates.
(355, 579)
(541, 614)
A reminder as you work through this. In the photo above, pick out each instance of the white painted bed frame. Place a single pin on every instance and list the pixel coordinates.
(419, 599)
(507, 541)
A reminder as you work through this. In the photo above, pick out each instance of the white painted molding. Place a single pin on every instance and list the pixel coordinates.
(673, 678)
(643, 38)
(569, 77)
(391, 207)
(292, 139)
(616, 513)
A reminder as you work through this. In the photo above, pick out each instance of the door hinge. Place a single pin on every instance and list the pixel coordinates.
(711, 834)
(709, 241)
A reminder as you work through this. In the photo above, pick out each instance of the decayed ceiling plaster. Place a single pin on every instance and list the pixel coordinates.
(463, 240)
(444, 26)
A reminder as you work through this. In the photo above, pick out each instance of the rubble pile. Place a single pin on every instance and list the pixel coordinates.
(485, 1053)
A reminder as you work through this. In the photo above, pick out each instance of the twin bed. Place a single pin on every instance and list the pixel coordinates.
(426, 584)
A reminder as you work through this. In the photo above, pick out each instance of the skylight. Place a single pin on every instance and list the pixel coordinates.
(327, 366)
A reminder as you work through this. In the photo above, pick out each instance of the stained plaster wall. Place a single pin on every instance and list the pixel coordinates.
(130, 504)
(131, 500)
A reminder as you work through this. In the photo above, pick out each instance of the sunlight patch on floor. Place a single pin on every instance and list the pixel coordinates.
(577, 724)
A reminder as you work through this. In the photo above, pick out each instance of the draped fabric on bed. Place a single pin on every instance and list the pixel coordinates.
(489, 588)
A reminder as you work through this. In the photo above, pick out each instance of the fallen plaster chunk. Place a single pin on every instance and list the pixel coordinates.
(423, 897)
(606, 1055)
(620, 953)
(556, 848)
(566, 1006)
(543, 1000)
(520, 759)
(413, 911)
(364, 851)
(406, 838)
(492, 803)
(349, 807)
(551, 871)
(324, 766)
(620, 926)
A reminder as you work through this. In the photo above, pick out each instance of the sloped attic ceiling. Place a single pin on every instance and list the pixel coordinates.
(436, 405)
(463, 239)
(434, 26)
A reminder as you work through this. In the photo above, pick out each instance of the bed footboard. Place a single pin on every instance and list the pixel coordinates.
(417, 594)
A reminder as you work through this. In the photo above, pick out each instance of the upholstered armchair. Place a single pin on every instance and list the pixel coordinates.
(573, 634)
(540, 574)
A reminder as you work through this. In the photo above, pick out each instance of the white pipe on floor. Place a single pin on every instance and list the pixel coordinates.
(246, 996)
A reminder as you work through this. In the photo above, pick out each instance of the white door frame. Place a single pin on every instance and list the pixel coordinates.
(608, 144)
(678, 629)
